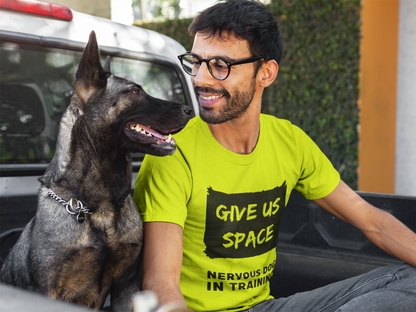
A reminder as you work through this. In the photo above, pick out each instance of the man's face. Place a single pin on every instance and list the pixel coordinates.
(221, 101)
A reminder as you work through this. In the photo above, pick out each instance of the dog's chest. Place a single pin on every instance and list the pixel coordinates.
(105, 252)
(117, 234)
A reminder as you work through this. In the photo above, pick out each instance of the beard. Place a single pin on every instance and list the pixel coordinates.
(235, 106)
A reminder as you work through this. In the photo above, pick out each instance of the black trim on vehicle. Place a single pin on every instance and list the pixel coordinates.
(18, 170)
(31, 170)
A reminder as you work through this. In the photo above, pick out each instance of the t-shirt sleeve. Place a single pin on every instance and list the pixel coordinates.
(318, 177)
(163, 188)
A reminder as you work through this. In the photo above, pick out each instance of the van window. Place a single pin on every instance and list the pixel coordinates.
(36, 85)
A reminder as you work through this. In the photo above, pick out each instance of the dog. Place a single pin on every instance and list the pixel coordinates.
(85, 239)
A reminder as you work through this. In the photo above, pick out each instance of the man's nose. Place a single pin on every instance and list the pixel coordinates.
(203, 76)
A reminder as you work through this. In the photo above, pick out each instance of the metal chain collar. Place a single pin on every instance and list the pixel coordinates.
(73, 206)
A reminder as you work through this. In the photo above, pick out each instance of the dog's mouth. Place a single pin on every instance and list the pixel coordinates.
(146, 135)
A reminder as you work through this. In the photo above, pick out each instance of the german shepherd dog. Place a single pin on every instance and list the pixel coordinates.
(85, 239)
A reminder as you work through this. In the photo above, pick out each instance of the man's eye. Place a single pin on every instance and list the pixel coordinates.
(196, 64)
(219, 64)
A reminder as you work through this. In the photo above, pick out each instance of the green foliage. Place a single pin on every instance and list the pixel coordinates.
(317, 84)
(161, 8)
(174, 28)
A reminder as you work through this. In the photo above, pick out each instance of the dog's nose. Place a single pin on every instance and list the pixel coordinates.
(187, 110)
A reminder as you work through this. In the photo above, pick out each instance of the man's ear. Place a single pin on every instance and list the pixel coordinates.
(268, 73)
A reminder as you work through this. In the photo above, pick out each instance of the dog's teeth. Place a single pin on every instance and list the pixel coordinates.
(136, 127)
(169, 139)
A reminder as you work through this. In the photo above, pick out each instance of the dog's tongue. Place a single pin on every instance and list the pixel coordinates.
(148, 132)
(152, 132)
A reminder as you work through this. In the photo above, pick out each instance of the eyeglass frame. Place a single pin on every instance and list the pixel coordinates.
(229, 64)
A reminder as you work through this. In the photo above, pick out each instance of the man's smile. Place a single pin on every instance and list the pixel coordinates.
(208, 98)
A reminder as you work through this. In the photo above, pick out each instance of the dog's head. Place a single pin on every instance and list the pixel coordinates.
(121, 112)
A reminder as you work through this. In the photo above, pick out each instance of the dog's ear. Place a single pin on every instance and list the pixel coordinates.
(90, 76)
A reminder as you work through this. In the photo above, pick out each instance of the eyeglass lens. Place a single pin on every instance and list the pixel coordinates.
(217, 67)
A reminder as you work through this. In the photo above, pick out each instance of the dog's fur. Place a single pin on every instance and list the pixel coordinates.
(83, 262)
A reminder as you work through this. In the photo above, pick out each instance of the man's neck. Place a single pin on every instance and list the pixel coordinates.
(238, 135)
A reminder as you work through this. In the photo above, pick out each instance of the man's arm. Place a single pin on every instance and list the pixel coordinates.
(380, 227)
(162, 261)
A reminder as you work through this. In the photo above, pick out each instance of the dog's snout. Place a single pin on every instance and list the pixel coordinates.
(187, 110)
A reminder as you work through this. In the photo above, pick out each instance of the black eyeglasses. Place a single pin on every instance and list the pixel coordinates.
(219, 68)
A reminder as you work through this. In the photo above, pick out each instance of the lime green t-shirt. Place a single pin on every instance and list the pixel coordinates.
(230, 206)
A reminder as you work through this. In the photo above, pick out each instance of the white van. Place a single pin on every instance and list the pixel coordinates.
(40, 47)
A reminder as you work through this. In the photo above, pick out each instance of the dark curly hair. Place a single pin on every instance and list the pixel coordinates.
(245, 19)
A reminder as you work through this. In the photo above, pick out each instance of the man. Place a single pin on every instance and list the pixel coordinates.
(212, 210)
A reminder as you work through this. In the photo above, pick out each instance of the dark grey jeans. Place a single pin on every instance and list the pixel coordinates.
(385, 289)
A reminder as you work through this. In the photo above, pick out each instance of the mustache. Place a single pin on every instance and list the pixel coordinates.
(224, 92)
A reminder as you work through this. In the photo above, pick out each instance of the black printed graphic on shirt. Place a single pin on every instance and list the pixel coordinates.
(243, 225)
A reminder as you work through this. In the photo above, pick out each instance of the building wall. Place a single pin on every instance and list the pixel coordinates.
(405, 170)
(378, 91)
(387, 149)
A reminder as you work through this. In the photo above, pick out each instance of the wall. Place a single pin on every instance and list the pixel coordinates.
(377, 103)
(405, 183)
(387, 148)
